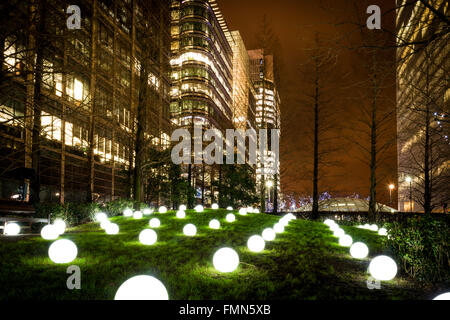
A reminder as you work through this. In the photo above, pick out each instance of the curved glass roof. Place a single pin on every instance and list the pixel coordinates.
(346, 205)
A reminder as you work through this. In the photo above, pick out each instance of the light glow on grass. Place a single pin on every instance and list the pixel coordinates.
(383, 268)
(142, 288)
(62, 251)
(148, 237)
(154, 223)
(225, 260)
(256, 243)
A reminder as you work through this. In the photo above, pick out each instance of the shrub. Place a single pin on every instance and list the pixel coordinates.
(73, 214)
(116, 207)
(422, 245)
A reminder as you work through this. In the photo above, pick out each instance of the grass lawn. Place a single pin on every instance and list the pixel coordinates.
(304, 262)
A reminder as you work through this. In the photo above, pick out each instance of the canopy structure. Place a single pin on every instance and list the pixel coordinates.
(346, 205)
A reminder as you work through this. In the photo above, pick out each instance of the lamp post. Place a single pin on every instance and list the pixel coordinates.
(269, 184)
(391, 187)
(409, 180)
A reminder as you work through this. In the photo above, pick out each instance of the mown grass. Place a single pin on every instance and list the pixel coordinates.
(305, 262)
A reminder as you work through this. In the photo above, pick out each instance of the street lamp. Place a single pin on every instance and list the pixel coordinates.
(409, 180)
(391, 187)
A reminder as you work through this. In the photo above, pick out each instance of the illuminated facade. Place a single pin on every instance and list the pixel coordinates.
(90, 82)
(422, 104)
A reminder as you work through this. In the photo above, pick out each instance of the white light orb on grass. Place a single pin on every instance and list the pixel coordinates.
(229, 208)
(256, 243)
(190, 230)
(225, 260)
(359, 250)
(242, 211)
(383, 268)
(215, 206)
(249, 209)
(214, 224)
(338, 232)
(268, 234)
(62, 251)
(182, 207)
(12, 229)
(154, 223)
(49, 232)
(256, 211)
(382, 232)
(99, 217)
(142, 288)
(112, 228)
(181, 214)
(127, 213)
(230, 217)
(284, 221)
(104, 224)
(366, 226)
(444, 296)
(148, 237)
(329, 222)
(162, 209)
(334, 227)
(345, 240)
(373, 227)
(199, 208)
(137, 215)
(60, 226)
(148, 211)
(278, 228)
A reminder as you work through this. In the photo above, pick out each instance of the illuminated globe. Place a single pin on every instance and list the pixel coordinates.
(230, 217)
(128, 213)
(278, 228)
(444, 296)
(268, 234)
(256, 211)
(215, 206)
(148, 211)
(60, 226)
(137, 215)
(182, 207)
(162, 209)
(334, 227)
(242, 211)
(62, 251)
(382, 232)
(229, 208)
(148, 237)
(190, 230)
(284, 221)
(225, 260)
(373, 227)
(112, 228)
(383, 268)
(154, 223)
(328, 222)
(142, 288)
(214, 224)
(256, 243)
(338, 232)
(99, 217)
(366, 226)
(181, 214)
(249, 209)
(49, 232)
(359, 250)
(104, 224)
(345, 240)
(199, 208)
(12, 229)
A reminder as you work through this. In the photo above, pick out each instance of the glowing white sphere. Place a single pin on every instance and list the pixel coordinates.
(128, 212)
(62, 251)
(214, 224)
(12, 229)
(334, 227)
(60, 226)
(154, 223)
(225, 260)
(242, 211)
(49, 232)
(256, 211)
(382, 232)
(215, 206)
(256, 243)
(99, 217)
(444, 296)
(249, 209)
(137, 215)
(162, 209)
(278, 228)
(112, 228)
(142, 288)
(359, 250)
(148, 211)
(230, 217)
(329, 222)
(268, 234)
(181, 214)
(383, 268)
(284, 221)
(190, 230)
(148, 237)
(338, 233)
(345, 240)
(182, 207)
(366, 226)
(198, 208)
(104, 224)
(373, 227)
(229, 208)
